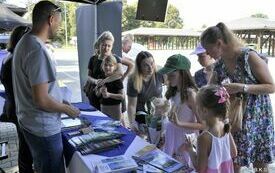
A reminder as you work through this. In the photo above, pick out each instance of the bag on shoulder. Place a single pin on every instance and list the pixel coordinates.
(235, 112)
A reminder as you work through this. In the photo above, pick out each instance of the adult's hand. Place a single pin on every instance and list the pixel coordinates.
(233, 88)
(71, 111)
(134, 127)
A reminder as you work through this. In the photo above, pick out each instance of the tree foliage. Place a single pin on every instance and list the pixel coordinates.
(172, 18)
(259, 15)
(68, 9)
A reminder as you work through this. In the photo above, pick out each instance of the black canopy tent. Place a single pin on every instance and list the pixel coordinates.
(17, 10)
(9, 20)
(87, 1)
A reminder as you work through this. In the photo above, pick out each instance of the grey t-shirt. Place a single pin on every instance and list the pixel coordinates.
(32, 65)
(150, 89)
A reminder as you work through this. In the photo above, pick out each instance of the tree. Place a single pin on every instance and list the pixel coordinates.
(172, 18)
(128, 17)
(70, 18)
(259, 15)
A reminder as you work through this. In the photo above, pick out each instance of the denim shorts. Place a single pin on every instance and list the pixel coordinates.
(47, 152)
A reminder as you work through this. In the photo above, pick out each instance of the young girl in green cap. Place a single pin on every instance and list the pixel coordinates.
(181, 92)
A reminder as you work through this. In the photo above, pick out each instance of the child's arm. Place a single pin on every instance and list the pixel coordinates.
(190, 125)
(108, 79)
(200, 158)
(233, 148)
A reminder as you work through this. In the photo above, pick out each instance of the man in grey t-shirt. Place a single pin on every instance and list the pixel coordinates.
(37, 95)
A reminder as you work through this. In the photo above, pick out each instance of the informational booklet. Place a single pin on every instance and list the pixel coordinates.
(146, 168)
(158, 159)
(118, 164)
(64, 116)
(70, 123)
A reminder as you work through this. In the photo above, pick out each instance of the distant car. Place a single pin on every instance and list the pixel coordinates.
(4, 39)
(252, 46)
(56, 44)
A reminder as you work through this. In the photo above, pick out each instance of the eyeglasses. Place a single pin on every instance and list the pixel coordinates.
(56, 10)
(27, 29)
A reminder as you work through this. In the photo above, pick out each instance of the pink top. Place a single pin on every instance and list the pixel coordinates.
(220, 160)
(175, 136)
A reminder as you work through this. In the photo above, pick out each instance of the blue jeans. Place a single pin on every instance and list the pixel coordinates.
(47, 152)
(24, 154)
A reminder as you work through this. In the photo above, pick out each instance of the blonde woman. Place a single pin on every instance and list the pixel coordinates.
(144, 84)
(104, 46)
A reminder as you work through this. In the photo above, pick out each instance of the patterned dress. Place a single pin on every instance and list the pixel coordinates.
(255, 140)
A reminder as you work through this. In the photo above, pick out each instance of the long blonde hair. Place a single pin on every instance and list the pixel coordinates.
(137, 75)
(220, 31)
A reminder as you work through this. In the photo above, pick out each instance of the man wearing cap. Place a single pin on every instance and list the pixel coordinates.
(181, 91)
(202, 76)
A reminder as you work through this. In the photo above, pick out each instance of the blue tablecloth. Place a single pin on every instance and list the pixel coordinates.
(3, 94)
(127, 138)
(84, 106)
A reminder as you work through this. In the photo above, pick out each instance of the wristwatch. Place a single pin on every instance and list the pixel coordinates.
(245, 88)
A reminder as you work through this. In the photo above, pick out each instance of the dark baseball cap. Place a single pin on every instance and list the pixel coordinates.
(175, 62)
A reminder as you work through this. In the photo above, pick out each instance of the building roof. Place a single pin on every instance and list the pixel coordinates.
(162, 32)
(251, 23)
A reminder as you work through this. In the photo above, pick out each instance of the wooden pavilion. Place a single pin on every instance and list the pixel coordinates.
(165, 38)
(255, 31)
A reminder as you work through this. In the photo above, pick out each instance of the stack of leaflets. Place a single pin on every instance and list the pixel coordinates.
(93, 137)
(119, 164)
(92, 148)
(154, 157)
(95, 142)
(70, 123)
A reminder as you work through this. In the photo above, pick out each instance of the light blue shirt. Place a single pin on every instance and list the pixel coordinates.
(32, 65)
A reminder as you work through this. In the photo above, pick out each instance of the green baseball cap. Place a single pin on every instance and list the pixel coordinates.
(175, 62)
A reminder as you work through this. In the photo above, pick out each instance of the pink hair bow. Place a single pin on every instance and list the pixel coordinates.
(223, 94)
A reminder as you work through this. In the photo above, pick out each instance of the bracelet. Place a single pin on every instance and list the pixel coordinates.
(245, 88)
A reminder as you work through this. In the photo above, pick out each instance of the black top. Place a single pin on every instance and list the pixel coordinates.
(6, 79)
(112, 87)
(97, 73)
